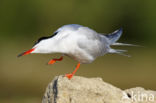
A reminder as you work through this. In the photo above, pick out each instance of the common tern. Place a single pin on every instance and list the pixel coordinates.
(81, 43)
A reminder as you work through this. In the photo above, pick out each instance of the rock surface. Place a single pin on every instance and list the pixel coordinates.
(93, 90)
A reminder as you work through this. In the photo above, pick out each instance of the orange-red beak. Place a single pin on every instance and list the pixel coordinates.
(27, 52)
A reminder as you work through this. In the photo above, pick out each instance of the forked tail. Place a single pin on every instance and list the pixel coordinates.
(113, 38)
(118, 51)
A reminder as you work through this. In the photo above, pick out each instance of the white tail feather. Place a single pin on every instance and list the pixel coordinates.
(120, 52)
(123, 44)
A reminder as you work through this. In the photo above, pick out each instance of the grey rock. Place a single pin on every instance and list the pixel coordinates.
(90, 90)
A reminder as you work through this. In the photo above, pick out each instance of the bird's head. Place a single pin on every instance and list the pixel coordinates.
(53, 43)
(42, 45)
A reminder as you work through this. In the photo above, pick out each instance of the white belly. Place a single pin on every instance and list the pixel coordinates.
(81, 57)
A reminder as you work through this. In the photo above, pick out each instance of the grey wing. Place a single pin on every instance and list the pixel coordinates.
(94, 44)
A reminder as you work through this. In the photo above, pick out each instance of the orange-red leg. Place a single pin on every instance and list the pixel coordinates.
(69, 76)
(54, 60)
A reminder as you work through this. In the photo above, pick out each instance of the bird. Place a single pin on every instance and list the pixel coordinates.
(78, 42)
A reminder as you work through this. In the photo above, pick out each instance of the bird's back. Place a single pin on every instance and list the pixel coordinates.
(86, 44)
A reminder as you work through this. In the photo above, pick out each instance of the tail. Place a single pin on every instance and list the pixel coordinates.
(120, 52)
(113, 38)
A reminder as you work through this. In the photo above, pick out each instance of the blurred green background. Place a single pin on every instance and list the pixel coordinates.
(22, 22)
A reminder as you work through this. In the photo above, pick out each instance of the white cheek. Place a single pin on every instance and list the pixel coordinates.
(41, 50)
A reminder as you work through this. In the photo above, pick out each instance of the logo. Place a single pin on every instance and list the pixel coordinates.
(138, 96)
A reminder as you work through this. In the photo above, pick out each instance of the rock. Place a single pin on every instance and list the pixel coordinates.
(91, 90)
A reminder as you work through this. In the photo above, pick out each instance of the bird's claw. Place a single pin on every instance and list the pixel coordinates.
(69, 76)
(51, 61)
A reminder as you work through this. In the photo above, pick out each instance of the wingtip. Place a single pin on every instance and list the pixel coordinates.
(118, 31)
